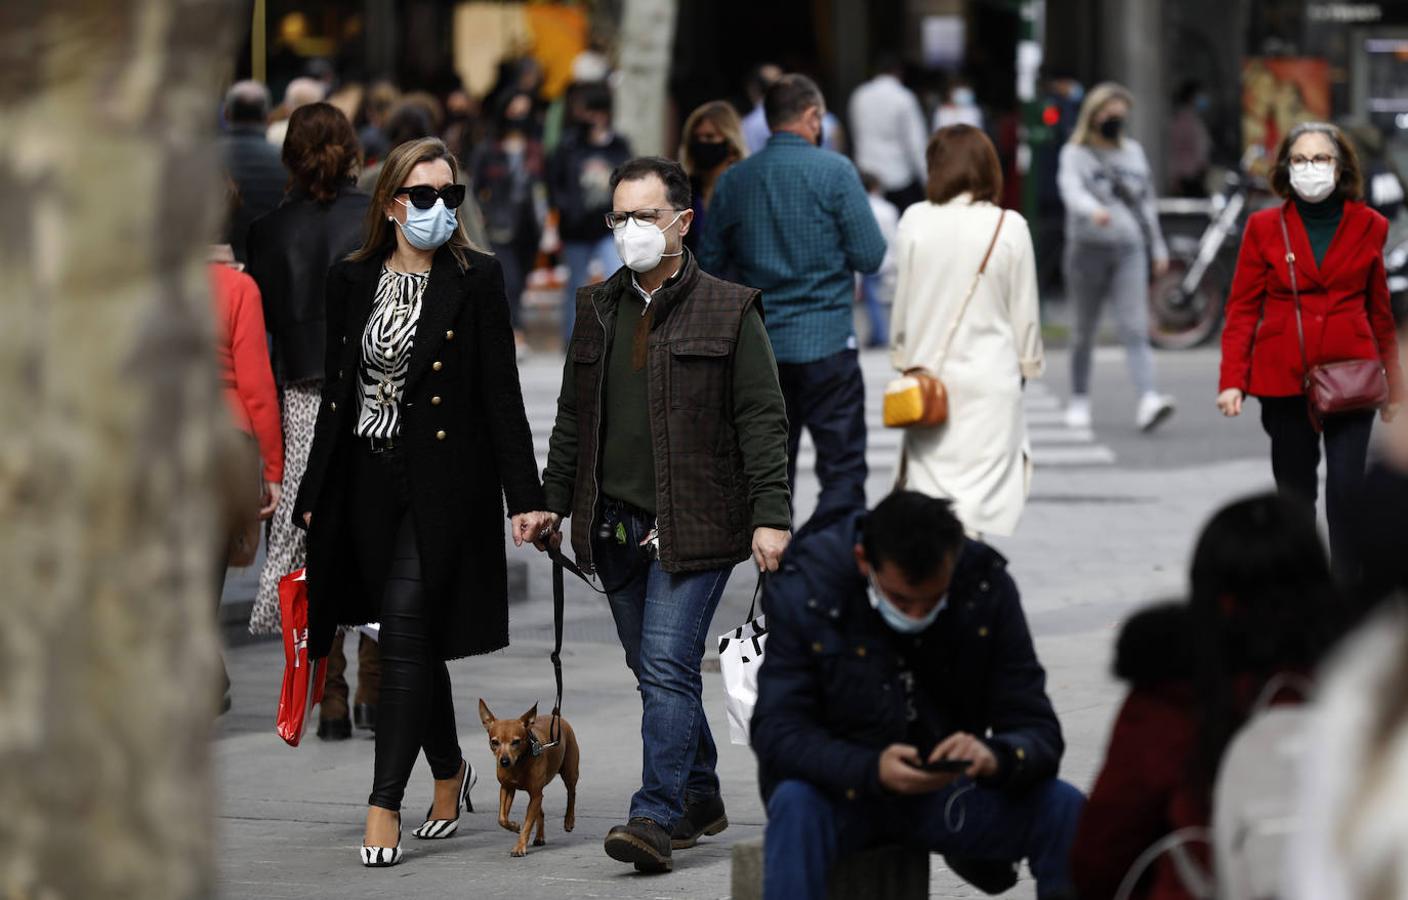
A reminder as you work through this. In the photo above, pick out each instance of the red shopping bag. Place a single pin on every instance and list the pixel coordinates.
(303, 679)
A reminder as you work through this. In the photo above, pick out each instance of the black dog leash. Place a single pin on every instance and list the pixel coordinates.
(559, 607)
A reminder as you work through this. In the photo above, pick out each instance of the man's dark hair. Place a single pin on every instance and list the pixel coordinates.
(788, 98)
(247, 103)
(757, 83)
(913, 531)
(408, 122)
(887, 62)
(677, 190)
(595, 96)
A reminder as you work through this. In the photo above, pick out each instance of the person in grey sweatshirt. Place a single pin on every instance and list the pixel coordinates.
(1112, 241)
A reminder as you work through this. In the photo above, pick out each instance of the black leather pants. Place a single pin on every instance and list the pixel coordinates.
(416, 710)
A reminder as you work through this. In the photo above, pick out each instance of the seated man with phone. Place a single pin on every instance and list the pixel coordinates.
(900, 701)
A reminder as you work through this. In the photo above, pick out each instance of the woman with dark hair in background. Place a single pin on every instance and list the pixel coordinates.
(290, 250)
(710, 142)
(507, 176)
(1336, 309)
(1262, 604)
(421, 435)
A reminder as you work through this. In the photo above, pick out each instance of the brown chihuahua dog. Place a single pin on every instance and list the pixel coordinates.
(519, 769)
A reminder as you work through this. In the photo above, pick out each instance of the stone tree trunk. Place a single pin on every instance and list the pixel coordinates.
(110, 421)
(645, 46)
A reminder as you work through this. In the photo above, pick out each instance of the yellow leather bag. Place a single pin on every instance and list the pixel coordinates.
(918, 398)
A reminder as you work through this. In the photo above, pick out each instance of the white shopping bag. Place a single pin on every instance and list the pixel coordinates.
(740, 657)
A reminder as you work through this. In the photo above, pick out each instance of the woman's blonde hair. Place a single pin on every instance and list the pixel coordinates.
(723, 117)
(1099, 95)
(379, 235)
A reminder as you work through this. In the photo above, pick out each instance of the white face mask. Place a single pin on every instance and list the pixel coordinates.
(1313, 183)
(641, 247)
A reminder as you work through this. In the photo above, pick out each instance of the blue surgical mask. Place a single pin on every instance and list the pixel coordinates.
(963, 97)
(427, 229)
(896, 619)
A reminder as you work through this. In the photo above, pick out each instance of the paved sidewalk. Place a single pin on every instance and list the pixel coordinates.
(1096, 541)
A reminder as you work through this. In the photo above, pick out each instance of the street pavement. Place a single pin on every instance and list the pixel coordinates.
(1109, 526)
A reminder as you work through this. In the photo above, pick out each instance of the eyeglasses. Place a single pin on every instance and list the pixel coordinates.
(615, 219)
(1320, 162)
(423, 196)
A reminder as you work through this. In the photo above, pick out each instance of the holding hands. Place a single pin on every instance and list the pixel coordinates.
(533, 527)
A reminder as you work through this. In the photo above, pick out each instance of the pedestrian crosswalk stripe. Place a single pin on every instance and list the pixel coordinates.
(1054, 445)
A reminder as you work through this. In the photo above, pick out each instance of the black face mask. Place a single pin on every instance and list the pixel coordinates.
(708, 154)
(1110, 128)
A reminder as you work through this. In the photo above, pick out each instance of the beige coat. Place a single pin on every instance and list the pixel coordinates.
(980, 458)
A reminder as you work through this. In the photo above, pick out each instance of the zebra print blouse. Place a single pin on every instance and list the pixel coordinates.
(386, 351)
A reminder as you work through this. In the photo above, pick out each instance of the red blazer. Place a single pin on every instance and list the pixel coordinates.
(1344, 302)
(243, 353)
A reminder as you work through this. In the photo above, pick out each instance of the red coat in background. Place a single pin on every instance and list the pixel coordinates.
(1344, 301)
(1144, 790)
(243, 354)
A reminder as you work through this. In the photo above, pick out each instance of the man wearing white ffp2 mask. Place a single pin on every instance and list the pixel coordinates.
(642, 242)
(669, 454)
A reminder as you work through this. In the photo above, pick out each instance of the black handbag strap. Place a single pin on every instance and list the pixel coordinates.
(757, 592)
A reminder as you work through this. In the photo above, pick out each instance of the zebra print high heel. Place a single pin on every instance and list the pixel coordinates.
(382, 857)
(436, 829)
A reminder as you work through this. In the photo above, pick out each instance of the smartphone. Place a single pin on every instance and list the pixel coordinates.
(953, 766)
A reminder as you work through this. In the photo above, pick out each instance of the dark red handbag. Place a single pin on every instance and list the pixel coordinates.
(1350, 385)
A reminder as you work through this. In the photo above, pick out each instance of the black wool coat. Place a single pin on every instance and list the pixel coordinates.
(467, 447)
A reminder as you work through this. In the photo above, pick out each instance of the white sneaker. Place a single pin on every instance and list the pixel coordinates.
(1078, 412)
(1154, 410)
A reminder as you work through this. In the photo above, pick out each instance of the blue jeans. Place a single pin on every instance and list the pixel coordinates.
(579, 255)
(808, 831)
(662, 620)
(827, 397)
(874, 310)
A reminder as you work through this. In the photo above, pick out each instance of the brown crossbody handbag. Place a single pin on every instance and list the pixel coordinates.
(1350, 385)
(918, 398)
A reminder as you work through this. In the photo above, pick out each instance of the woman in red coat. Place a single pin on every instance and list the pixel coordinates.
(1262, 603)
(1336, 244)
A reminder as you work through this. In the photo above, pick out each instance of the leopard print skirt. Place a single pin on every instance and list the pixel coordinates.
(287, 548)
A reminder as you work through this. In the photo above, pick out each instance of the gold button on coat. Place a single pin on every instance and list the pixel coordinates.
(850, 793)
(334, 406)
(435, 401)
(439, 435)
(449, 335)
(437, 365)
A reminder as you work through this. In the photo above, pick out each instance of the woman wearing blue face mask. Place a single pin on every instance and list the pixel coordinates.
(420, 437)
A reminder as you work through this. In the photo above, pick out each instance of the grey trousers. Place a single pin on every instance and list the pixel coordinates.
(1097, 275)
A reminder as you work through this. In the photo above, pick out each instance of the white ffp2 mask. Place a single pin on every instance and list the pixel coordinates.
(1314, 184)
(641, 247)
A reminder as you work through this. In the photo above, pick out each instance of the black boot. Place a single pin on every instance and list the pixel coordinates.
(701, 817)
(641, 842)
(335, 729)
(364, 716)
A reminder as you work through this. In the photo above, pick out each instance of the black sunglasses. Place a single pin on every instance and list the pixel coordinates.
(423, 196)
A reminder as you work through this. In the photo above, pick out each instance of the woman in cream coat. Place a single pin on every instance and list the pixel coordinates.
(980, 458)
